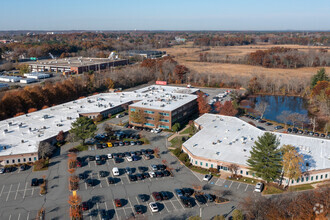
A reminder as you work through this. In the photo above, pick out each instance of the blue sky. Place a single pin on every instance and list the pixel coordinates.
(165, 15)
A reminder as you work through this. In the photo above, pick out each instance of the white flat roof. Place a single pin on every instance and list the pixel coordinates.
(166, 98)
(230, 139)
(25, 132)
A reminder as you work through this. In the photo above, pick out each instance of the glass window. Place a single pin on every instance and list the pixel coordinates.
(312, 178)
(29, 158)
(211, 165)
(321, 177)
(19, 160)
(316, 177)
(164, 126)
(206, 164)
(307, 178)
(149, 112)
(326, 176)
(292, 181)
(132, 109)
(196, 162)
(201, 163)
(302, 179)
(13, 161)
(7, 161)
(164, 114)
(241, 172)
(247, 173)
(35, 158)
(298, 180)
(149, 124)
(164, 120)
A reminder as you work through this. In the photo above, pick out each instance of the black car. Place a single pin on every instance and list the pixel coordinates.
(138, 153)
(104, 214)
(34, 182)
(139, 142)
(111, 180)
(295, 130)
(90, 182)
(150, 151)
(186, 201)
(316, 134)
(165, 195)
(289, 130)
(23, 167)
(9, 169)
(91, 158)
(209, 197)
(136, 137)
(104, 157)
(268, 123)
(187, 192)
(278, 127)
(99, 146)
(139, 176)
(200, 199)
(166, 173)
(114, 155)
(159, 174)
(127, 154)
(117, 160)
(142, 169)
(99, 162)
(143, 197)
(132, 177)
(104, 173)
(146, 175)
(161, 167)
(115, 144)
(82, 176)
(143, 151)
(138, 209)
(322, 135)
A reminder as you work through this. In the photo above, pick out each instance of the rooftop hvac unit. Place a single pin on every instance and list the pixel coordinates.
(5, 131)
(44, 127)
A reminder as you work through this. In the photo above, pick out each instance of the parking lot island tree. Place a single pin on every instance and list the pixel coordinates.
(83, 128)
(265, 159)
(75, 211)
(292, 162)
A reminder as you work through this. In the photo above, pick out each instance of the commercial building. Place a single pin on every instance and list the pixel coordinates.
(10, 78)
(224, 140)
(75, 64)
(163, 106)
(20, 136)
(4, 86)
(37, 75)
(148, 54)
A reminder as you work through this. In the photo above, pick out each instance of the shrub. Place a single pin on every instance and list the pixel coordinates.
(184, 157)
(237, 215)
(177, 152)
(213, 170)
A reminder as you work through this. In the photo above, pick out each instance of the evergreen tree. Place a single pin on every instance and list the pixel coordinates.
(266, 159)
(319, 76)
(83, 128)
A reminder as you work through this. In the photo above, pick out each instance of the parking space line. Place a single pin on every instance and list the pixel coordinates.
(28, 216)
(86, 185)
(130, 204)
(238, 185)
(9, 217)
(179, 201)
(231, 184)
(106, 207)
(17, 190)
(32, 191)
(173, 204)
(223, 182)
(195, 175)
(166, 207)
(247, 185)
(2, 190)
(25, 190)
(9, 192)
(115, 209)
(19, 216)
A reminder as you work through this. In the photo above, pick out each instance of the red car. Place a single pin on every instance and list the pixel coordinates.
(157, 196)
(85, 206)
(118, 203)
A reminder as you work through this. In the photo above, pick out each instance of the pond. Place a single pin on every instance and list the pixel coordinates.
(278, 104)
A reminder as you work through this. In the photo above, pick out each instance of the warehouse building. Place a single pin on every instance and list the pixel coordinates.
(37, 75)
(20, 136)
(225, 140)
(148, 54)
(75, 64)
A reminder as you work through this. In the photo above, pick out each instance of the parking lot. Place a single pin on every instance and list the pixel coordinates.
(22, 201)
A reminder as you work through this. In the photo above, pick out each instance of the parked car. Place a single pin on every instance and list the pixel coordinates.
(103, 173)
(165, 195)
(209, 197)
(111, 180)
(153, 167)
(200, 199)
(278, 127)
(85, 206)
(207, 177)
(153, 207)
(82, 176)
(129, 159)
(187, 192)
(186, 201)
(110, 156)
(128, 170)
(90, 182)
(132, 177)
(145, 175)
(34, 182)
(289, 130)
(91, 158)
(115, 171)
(118, 203)
(178, 192)
(166, 173)
(143, 197)
(259, 187)
(157, 196)
(146, 157)
(152, 174)
(139, 176)
(269, 123)
(97, 157)
(2, 170)
(138, 209)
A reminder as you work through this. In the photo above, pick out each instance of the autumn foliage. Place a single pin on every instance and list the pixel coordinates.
(203, 105)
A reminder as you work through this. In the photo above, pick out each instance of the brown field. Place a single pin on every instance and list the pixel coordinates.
(189, 56)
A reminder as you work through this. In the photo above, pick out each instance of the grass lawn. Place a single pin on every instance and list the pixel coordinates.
(45, 166)
(82, 147)
(272, 190)
(144, 140)
(176, 142)
(203, 171)
(245, 180)
(188, 130)
(300, 187)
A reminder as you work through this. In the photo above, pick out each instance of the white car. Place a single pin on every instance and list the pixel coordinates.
(259, 187)
(158, 130)
(129, 159)
(115, 171)
(152, 174)
(2, 170)
(110, 156)
(153, 206)
(207, 177)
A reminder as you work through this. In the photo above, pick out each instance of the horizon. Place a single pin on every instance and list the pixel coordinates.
(212, 15)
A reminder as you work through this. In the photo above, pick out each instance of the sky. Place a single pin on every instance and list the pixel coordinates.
(164, 15)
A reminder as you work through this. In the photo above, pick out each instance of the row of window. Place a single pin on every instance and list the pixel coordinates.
(149, 112)
(164, 126)
(162, 120)
(24, 160)
(201, 163)
(302, 179)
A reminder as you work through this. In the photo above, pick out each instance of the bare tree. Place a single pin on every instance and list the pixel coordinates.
(284, 117)
(302, 119)
(233, 168)
(294, 118)
(46, 149)
(261, 108)
(313, 122)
